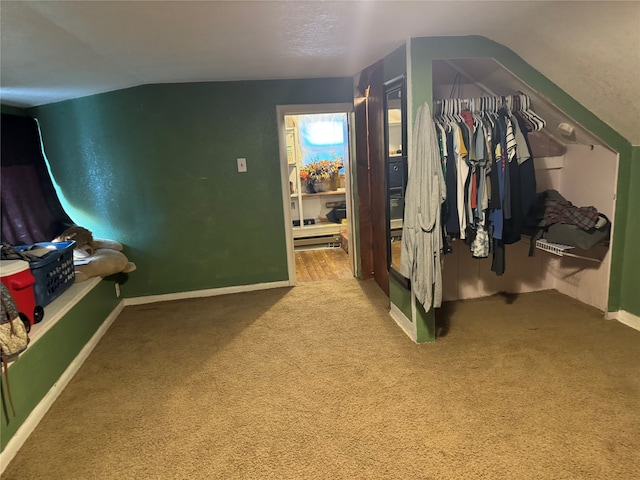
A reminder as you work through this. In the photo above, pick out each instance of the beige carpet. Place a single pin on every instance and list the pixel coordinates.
(317, 382)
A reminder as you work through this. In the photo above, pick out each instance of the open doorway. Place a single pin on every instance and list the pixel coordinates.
(316, 170)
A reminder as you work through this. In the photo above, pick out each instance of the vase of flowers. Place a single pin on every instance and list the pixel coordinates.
(320, 186)
(318, 175)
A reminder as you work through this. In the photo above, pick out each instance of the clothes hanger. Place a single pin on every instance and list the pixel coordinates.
(477, 121)
(485, 107)
(437, 112)
(538, 121)
(541, 122)
(509, 104)
(493, 108)
(452, 111)
(458, 110)
(524, 112)
(444, 115)
(438, 119)
(517, 103)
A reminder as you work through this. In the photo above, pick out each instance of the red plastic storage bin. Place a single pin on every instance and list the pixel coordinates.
(17, 277)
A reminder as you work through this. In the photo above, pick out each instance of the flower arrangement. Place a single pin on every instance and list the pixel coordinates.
(320, 170)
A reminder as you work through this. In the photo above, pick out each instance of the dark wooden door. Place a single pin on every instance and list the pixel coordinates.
(372, 210)
(363, 181)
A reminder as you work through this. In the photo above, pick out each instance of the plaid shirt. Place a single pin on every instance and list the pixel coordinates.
(559, 210)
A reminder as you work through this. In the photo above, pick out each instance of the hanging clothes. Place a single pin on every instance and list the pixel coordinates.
(451, 221)
(422, 242)
(489, 173)
(528, 185)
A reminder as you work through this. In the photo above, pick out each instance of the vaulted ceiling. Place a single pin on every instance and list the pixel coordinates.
(56, 50)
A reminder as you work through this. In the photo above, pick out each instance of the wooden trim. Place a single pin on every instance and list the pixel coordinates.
(204, 293)
(629, 319)
(404, 323)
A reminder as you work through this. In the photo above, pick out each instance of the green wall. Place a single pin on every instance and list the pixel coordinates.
(625, 264)
(629, 294)
(154, 167)
(38, 368)
(395, 64)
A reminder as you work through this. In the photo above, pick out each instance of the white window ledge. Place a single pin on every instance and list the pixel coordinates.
(60, 307)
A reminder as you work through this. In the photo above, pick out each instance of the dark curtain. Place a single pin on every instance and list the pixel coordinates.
(31, 210)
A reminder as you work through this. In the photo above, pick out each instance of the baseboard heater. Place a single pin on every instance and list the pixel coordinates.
(322, 240)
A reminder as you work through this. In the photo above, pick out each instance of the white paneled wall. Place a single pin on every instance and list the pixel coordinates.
(588, 177)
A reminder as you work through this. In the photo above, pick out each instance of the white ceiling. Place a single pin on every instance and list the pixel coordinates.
(56, 50)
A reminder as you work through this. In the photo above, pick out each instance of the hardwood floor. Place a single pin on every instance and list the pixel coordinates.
(322, 264)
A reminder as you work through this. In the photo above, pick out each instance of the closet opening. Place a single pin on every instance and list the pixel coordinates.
(566, 158)
(315, 153)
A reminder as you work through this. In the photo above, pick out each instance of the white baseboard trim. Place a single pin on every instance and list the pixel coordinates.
(204, 293)
(404, 323)
(629, 319)
(41, 409)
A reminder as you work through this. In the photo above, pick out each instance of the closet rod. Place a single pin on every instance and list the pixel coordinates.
(467, 101)
(520, 102)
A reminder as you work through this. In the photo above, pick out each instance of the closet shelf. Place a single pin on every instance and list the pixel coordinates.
(561, 250)
(549, 163)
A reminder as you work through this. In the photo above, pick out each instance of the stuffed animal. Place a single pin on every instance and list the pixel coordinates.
(95, 257)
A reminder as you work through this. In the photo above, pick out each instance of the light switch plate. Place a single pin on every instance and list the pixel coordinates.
(242, 164)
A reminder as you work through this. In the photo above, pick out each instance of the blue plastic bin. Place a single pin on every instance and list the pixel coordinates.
(54, 272)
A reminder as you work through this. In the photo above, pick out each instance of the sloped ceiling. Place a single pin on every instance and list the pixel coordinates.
(52, 51)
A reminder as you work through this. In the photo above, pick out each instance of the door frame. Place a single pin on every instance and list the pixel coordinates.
(311, 109)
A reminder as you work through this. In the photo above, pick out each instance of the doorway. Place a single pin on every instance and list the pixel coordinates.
(315, 153)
